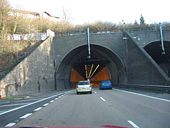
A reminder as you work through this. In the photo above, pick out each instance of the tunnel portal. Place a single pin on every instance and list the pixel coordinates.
(103, 65)
(162, 58)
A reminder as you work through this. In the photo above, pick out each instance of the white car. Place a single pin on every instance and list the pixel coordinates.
(84, 87)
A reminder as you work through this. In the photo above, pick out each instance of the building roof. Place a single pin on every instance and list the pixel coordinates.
(26, 12)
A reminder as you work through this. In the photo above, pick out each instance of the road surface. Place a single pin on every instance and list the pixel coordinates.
(103, 107)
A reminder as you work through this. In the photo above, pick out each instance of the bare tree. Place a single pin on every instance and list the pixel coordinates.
(4, 10)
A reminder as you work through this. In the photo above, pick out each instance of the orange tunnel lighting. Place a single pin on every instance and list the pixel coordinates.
(104, 74)
(75, 78)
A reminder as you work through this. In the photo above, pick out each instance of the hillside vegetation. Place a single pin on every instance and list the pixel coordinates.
(10, 51)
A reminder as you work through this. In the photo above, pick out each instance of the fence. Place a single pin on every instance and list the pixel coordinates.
(31, 36)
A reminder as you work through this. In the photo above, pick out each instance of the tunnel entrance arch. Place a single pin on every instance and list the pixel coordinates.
(103, 65)
(162, 59)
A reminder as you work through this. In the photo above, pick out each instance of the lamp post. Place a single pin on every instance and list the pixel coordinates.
(88, 43)
(125, 53)
(162, 42)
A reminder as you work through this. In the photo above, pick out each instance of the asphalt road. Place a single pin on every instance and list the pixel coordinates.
(103, 107)
(15, 111)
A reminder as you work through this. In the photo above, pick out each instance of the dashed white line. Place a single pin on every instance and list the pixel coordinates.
(46, 104)
(61, 96)
(51, 101)
(28, 104)
(144, 95)
(102, 99)
(133, 124)
(10, 125)
(25, 116)
(37, 109)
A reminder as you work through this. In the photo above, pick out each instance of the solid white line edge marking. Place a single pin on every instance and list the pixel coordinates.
(26, 115)
(102, 99)
(144, 95)
(37, 109)
(133, 124)
(10, 125)
(8, 105)
(29, 104)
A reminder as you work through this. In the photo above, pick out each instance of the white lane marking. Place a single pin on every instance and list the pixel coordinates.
(102, 99)
(56, 98)
(133, 124)
(95, 92)
(37, 109)
(144, 95)
(61, 96)
(10, 125)
(46, 104)
(8, 105)
(25, 116)
(51, 101)
(28, 104)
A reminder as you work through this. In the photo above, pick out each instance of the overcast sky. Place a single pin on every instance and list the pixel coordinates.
(87, 11)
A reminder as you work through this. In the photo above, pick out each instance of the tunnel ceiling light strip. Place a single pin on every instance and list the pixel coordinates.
(91, 68)
(95, 70)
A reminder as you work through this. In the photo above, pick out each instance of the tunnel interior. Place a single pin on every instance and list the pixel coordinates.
(162, 58)
(102, 65)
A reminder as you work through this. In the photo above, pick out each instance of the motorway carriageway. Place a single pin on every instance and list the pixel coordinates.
(103, 107)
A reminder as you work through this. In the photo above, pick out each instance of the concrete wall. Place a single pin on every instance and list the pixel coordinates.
(141, 69)
(34, 74)
(139, 66)
(143, 38)
(63, 45)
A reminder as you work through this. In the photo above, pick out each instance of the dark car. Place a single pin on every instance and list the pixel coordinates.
(105, 84)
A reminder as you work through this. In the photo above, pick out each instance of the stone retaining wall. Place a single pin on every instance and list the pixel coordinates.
(32, 75)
